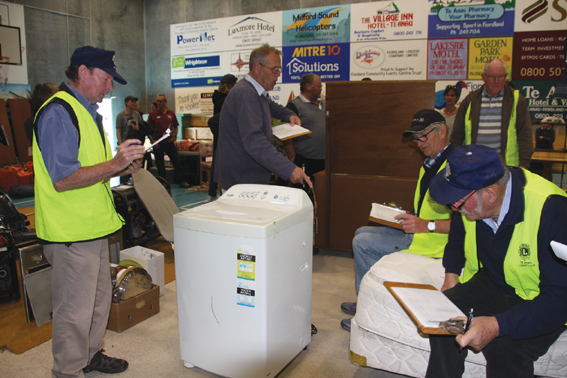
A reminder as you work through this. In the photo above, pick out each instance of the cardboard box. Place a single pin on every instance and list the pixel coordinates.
(152, 261)
(134, 310)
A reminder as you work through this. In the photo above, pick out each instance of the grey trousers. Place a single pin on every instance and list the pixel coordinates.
(82, 293)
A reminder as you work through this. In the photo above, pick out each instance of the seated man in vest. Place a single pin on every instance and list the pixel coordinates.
(496, 116)
(511, 278)
(75, 211)
(424, 233)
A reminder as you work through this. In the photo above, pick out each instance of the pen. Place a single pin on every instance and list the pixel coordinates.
(468, 325)
(303, 167)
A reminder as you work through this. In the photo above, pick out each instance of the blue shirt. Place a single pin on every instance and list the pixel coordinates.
(58, 138)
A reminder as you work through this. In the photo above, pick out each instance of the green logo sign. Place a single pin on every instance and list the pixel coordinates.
(178, 62)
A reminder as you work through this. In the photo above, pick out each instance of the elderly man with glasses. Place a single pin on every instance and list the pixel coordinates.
(246, 153)
(496, 116)
(424, 233)
(498, 261)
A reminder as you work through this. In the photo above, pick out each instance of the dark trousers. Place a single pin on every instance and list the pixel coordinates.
(312, 166)
(505, 357)
(213, 186)
(171, 151)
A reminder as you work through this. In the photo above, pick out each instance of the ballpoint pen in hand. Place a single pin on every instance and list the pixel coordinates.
(468, 325)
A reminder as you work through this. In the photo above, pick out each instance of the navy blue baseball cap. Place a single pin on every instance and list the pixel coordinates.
(468, 168)
(228, 79)
(99, 58)
(422, 120)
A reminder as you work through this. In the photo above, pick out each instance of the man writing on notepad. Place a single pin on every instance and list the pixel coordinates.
(511, 277)
(424, 233)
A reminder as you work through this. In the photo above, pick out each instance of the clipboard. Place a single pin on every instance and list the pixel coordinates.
(386, 223)
(413, 310)
(384, 214)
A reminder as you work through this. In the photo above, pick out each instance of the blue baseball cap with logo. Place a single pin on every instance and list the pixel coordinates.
(468, 168)
(99, 58)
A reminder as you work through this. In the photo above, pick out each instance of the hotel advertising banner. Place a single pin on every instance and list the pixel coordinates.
(331, 62)
(541, 104)
(316, 25)
(483, 50)
(447, 59)
(389, 60)
(406, 19)
(473, 19)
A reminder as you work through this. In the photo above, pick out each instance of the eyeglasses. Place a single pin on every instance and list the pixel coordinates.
(496, 77)
(465, 200)
(276, 70)
(160, 100)
(422, 138)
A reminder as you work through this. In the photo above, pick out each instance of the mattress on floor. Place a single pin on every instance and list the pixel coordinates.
(384, 337)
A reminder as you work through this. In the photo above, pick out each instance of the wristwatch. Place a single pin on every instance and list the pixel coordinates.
(431, 226)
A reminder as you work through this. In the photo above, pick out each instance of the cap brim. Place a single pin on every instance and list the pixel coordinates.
(443, 192)
(119, 79)
(414, 130)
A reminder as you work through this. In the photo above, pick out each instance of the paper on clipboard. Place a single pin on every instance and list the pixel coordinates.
(425, 304)
(385, 215)
(287, 131)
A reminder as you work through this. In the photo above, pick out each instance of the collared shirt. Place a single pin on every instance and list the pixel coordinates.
(58, 138)
(260, 89)
(430, 162)
(304, 99)
(503, 209)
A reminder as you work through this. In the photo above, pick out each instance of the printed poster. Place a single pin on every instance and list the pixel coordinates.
(539, 55)
(447, 59)
(539, 96)
(404, 19)
(536, 15)
(483, 50)
(250, 31)
(473, 19)
(195, 37)
(331, 62)
(389, 60)
(316, 25)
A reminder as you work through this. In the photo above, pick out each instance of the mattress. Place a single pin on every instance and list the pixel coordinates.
(384, 337)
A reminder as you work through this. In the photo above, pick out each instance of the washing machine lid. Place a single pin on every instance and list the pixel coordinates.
(249, 210)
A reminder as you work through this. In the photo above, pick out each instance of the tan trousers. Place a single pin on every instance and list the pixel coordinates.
(82, 293)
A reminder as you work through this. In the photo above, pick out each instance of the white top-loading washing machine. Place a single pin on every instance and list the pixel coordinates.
(244, 277)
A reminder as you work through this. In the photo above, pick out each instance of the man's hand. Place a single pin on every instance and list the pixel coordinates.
(127, 153)
(294, 120)
(481, 332)
(451, 280)
(412, 224)
(298, 177)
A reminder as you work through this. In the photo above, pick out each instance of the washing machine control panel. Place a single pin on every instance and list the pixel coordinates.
(265, 194)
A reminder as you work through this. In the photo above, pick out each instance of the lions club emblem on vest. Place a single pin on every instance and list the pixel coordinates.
(524, 252)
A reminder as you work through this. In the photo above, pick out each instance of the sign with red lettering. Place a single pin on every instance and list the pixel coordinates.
(539, 55)
(447, 59)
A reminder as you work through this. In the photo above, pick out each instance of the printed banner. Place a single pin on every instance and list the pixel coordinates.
(534, 15)
(447, 59)
(483, 50)
(539, 55)
(475, 19)
(539, 95)
(331, 62)
(251, 31)
(201, 37)
(389, 60)
(376, 21)
(316, 25)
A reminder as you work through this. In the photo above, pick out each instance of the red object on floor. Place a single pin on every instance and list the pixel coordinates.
(8, 178)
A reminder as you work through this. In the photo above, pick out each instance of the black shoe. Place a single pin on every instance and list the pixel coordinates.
(345, 323)
(185, 185)
(105, 364)
(349, 308)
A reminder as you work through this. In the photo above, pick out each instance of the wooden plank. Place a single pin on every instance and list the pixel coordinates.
(7, 153)
(19, 112)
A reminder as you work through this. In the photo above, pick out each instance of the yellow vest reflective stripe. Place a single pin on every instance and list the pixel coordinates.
(430, 244)
(521, 265)
(78, 214)
(512, 155)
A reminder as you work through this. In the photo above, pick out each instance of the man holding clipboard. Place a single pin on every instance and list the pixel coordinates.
(501, 243)
(424, 232)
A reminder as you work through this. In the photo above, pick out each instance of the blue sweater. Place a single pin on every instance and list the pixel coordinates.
(548, 311)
